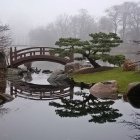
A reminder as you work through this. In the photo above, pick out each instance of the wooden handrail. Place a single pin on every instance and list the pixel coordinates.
(34, 48)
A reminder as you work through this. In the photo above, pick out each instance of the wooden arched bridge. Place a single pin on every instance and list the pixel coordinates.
(19, 57)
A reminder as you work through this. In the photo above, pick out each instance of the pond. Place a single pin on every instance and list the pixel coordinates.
(64, 114)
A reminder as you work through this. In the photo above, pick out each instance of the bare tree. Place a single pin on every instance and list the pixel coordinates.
(114, 15)
(62, 25)
(135, 20)
(76, 26)
(4, 38)
(126, 20)
(86, 24)
(5, 41)
(125, 11)
(105, 25)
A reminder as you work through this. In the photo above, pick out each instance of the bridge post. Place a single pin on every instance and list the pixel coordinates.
(40, 51)
(11, 54)
(43, 51)
(15, 54)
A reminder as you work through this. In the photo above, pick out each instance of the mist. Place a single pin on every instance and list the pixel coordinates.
(25, 17)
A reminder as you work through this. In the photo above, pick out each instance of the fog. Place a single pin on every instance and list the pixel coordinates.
(25, 15)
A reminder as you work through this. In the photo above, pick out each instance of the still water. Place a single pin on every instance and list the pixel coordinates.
(77, 116)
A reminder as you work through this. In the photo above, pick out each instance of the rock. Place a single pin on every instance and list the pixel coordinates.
(55, 74)
(46, 71)
(71, 67)
(133, 94)
(128, 65)
(14, 74)
(24, 69)
(103, 90)
(132, 85)
(58, 78)
(14, 71)
(5, 98)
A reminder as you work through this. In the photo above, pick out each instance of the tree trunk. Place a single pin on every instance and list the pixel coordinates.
(92, 61)
(72, 54)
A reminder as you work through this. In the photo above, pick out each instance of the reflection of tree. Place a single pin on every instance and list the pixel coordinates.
(3, 110)
(100, 110)
(135, 124)
(2, 82)
(2, 87)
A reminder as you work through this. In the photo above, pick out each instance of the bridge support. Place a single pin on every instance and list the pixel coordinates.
(11, 56)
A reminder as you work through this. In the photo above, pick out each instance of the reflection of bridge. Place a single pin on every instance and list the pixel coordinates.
(39, 92)
(18, 57)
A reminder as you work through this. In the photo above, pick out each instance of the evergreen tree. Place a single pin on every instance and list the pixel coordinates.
(97, 48)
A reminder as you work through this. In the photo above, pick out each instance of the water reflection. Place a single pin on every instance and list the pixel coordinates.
(39, 92)
(101, 111)
(3, 97)
(72, 103)
(3, 110)
(134, 125)
(71, 106)
(24, 87)
(2, 83)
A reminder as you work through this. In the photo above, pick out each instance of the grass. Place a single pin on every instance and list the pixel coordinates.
(123, 77)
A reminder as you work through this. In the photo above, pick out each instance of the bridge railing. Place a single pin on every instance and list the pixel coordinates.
(34, 51)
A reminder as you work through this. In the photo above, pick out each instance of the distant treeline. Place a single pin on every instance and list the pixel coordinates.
(123, 19)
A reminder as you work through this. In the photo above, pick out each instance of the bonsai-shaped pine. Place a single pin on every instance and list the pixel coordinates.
(97, 48)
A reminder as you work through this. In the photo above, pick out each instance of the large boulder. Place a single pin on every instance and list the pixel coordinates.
(132, 85)
(58, 78)
(14, 74)
(72, 67)
(133, 94)
(103, 90)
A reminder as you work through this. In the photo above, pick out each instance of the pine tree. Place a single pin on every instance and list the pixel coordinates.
(97, 48)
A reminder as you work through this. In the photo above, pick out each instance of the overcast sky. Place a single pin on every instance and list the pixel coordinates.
(32, 13)
(40, 12)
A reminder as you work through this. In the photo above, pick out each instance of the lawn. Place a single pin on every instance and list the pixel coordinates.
(123, 77)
